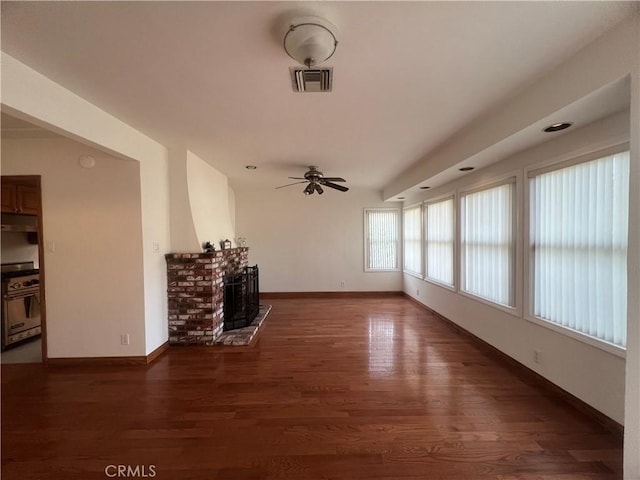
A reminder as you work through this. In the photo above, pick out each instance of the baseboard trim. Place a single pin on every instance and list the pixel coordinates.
(526, 373)
(157, 352)
(108, 361)
(96, 361)
(356, 294)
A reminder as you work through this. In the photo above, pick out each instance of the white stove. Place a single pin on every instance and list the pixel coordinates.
(20, 302)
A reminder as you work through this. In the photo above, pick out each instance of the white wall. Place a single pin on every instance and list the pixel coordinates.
(154, 185)
(94, 278)
(29, 95)
(310, 243)
(202, 204)
(209, 200)
(232, 208)
(593, 375)
(183, 232)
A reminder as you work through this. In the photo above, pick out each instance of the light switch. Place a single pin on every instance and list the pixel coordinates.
(51, 245)
(156, 247)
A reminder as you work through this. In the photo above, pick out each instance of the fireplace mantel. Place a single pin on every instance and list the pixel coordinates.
(195, 292)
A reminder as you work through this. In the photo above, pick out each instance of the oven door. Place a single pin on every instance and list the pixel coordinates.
(21, 317)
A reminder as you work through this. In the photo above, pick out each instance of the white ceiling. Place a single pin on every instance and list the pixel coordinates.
(213, 76)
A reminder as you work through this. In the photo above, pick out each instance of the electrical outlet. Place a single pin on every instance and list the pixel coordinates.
(124, 339)
(342, 283)
(537, 356)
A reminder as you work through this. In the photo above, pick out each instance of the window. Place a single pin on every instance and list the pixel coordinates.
(487, 243)
(412, 224)
(578, 231)
(382, 227)
(439, 238)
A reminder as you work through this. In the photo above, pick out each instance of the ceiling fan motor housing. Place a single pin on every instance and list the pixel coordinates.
(313, 175)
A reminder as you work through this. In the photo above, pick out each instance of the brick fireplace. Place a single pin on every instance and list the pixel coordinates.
(196, 293)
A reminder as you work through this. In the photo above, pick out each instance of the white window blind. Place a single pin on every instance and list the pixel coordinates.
(578, 224)
(487, 243)
(382, 227)
(439, 238)
(412, 238)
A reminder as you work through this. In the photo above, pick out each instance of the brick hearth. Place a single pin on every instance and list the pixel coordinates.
(195, 291)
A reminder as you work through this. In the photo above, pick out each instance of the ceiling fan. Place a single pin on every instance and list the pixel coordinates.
(316, 180)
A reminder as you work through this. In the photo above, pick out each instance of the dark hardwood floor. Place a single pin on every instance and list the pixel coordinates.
(366, 388)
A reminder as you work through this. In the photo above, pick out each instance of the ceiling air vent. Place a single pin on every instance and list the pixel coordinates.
(312, 80)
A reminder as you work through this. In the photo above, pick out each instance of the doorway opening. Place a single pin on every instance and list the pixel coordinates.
(23, 324)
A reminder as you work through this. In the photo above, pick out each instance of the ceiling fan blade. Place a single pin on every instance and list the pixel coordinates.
(334, 179)
(334, 185)
(297, 178)
(289, 184)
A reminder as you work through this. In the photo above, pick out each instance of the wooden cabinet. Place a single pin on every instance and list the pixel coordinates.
(8, 197)
(27, 200)
(20, 198)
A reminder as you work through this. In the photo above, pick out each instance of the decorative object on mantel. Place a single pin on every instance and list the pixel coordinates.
(225, 244)
(208, 247)
(241, 241)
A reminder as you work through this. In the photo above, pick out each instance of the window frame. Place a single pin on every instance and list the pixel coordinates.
(398, 236)
(513, 178)
(455, 260)
(530, 172)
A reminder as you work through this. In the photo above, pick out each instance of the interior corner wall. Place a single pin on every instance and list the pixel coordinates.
(209, 201)
(310, 243)
(94, 286)
(595, 376)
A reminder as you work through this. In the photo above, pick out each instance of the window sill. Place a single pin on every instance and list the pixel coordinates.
(413, 274)
(579, 336)
(447, 286)
(505, 308)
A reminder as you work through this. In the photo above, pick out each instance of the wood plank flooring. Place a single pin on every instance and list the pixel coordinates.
(344, 389)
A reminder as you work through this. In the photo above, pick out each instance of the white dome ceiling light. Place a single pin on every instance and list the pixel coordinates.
(310, 40)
